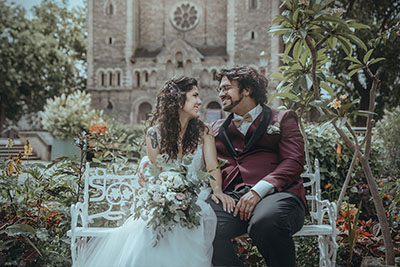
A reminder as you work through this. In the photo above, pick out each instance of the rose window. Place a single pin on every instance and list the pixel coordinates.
(185, 16)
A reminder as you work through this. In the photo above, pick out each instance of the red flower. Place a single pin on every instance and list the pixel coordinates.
(100, 129)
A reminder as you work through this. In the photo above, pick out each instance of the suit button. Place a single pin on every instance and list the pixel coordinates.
(239, 161)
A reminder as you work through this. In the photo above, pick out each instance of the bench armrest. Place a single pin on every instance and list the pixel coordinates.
(78, 211)
(327, 209)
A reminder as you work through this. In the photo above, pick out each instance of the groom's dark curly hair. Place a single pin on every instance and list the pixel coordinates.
(165, 115)
(247, 77)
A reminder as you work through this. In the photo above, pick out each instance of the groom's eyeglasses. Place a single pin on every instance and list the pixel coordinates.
(224, 89)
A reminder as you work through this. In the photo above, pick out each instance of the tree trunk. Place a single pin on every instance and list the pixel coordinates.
(2, 115)
(373, 188)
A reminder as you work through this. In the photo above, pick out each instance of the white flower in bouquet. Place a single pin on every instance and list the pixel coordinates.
(169, 196)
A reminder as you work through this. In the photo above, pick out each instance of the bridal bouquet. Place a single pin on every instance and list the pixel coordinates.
(169, 196)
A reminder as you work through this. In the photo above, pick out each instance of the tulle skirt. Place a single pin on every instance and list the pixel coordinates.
(131, 244)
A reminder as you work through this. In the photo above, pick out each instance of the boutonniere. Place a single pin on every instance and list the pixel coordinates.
(274, 128)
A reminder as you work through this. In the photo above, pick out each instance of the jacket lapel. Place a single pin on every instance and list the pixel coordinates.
(224, 137)
(261, 129)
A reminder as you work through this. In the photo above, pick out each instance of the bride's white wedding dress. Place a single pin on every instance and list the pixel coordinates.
(131, 244)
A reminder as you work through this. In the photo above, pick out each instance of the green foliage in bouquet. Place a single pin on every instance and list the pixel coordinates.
(168, 198)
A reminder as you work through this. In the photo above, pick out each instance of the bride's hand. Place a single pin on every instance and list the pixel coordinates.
(140, 171)
(228, 203)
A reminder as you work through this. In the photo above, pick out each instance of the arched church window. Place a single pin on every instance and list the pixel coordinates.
(188, 68)
(146, 76)
(110, 105)
(214, 112)
(214, 75)
(118, 78)
(169, 68)
(110, 79)
(144, 111)
(179, 59)
(137, 79)
(252, 4)
(110, 9)
(103, 79)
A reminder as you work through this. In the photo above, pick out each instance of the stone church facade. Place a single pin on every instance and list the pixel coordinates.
(134, 46)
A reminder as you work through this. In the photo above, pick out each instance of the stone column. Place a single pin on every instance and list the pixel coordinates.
(230, 31)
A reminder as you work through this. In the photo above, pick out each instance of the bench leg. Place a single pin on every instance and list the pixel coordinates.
(327, 249)
(77, 244)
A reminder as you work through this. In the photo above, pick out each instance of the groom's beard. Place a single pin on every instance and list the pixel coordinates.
(233, 103)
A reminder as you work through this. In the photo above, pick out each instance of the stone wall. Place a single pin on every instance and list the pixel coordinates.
(145, 44)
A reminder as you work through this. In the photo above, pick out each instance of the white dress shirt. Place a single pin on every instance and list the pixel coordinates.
(262, 188)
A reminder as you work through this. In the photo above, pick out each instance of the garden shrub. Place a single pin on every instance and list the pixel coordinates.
(335, 158)
(388, 129)
(68, 115)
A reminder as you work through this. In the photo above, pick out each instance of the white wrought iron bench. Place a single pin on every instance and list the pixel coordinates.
(323, 215)
(112, 196)
(107, 198)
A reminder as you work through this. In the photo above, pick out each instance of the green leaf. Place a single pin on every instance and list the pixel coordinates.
(319, 103)
(364, 113)
(296, 50)
(357, 40)
(356, 25)
(332, 42)
(303, 33)
(327, 88)
(353, 59)
(346, 45)
(20, 229)
(287, 95)
(278, 30)
(354, 66)
(287, 49)
(376, 60)
(335, 81)
(33, 245)
(367, 56)
(353, 72)
(96, 160)
(324, 126)
(296, 15)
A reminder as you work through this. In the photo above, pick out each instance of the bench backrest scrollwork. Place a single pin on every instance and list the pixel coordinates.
(111, 195)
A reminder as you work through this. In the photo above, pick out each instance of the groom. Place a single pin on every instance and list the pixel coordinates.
(263, 152)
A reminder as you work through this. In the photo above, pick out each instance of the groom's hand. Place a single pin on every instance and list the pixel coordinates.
(246, 205)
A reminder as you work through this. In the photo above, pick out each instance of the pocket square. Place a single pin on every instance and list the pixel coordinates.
(274, 128)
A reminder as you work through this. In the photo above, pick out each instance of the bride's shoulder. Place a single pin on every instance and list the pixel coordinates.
(208, 130)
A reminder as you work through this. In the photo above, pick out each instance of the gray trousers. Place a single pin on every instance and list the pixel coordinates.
(273, 222)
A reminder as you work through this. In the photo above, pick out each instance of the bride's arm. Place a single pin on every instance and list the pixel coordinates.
(210, 158)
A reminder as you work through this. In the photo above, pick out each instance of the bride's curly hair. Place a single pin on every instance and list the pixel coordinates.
(165, 115)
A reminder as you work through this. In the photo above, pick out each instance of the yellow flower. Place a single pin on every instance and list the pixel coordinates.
(27, 149)
(335, 104)
(11, 168)
(10, 143)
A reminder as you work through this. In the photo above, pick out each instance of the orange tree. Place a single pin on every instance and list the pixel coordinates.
(310, 31)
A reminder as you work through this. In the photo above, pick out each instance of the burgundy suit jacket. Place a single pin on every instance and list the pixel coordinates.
(277, 158)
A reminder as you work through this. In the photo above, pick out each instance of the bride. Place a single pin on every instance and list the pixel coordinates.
(175, 130)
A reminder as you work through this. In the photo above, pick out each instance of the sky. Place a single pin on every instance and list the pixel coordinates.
(28, 4)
